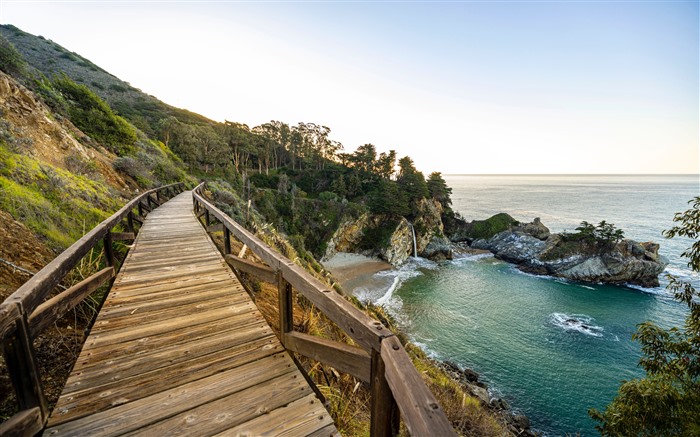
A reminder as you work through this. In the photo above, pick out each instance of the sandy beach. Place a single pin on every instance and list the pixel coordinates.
(353, 270)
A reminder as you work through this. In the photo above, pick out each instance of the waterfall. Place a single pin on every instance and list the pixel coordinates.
(413, 231)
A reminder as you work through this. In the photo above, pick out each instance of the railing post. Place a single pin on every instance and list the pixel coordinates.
(227, 240)
(23, 369)
(109, 252)
(285, 305)
(130, 222)
(140, 206)
(384, 420)
(207, 219)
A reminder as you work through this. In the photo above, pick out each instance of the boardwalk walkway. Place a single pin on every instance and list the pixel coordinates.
(180, 349)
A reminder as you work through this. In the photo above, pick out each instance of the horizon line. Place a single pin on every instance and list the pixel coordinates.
(572, 174)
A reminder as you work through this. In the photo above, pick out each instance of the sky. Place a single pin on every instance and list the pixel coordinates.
(463, 87)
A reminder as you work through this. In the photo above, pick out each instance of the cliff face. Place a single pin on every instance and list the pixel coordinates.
(391, 239)
(33, 130)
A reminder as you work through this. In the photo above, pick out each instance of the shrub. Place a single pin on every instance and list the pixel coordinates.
(11, 61)
(94, 117)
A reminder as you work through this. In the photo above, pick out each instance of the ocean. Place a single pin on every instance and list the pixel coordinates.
(511, 327)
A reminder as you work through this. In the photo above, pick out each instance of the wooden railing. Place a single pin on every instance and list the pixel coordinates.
(26, 312)
(380, 360)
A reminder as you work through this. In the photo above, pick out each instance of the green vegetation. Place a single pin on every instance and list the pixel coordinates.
(94, 117)
(485, 229)
(11, 61)
(51, 201)
(666, 402)
(589, 239)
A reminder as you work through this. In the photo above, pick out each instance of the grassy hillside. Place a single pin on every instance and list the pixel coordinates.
(47, 58)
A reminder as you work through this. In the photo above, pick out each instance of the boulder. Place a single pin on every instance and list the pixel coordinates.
(438, 249)
(535, 229)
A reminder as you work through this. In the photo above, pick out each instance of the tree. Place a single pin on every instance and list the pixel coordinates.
(438, 189)
(411, 181)
(666, 402)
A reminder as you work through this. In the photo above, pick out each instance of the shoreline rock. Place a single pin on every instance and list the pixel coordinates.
(537, 251)
(517, 423)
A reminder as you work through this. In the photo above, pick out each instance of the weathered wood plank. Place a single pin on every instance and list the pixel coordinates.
(123, 236)
(420, 410)
(261, 272)
(53, 309)
(101, 352)
(9, 313)
(217, 416)
(299, 418)
(136, 385)
(343, 357)
(145, 411)
(25, 423)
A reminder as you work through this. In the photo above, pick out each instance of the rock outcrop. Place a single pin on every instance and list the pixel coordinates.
(395, 244)
(624, 262)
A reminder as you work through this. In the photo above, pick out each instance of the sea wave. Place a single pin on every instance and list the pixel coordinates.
(462, 259)
(410, 269)
(576, 322)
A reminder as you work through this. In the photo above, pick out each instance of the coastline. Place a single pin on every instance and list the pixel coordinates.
(354, 271)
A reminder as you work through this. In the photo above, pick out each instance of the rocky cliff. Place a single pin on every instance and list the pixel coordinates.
(391, 238)
(536, 251)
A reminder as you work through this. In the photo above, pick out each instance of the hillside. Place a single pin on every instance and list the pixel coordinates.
(77, 142)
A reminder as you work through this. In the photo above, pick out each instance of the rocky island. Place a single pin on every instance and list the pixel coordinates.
(596, 253)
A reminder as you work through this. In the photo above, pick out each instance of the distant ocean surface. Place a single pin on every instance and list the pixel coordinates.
(510, 327)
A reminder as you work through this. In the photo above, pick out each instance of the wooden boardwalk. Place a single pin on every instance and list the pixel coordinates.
(180, 349)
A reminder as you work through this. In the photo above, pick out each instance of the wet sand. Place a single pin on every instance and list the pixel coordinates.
(351, 269)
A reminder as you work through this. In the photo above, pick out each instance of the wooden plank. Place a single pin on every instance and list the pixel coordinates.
(180, 299)
(384, 419)
(145, 411)
(343, 357)
(25, 423)
(163, 291)
(9, 313)
(137, 385)
(218, 227)
(53, 309)
(123, 236)
(101, 352)
(327, 431)
(420, 410)
(23, 369)
(157, 316)
(299, 418)
(119, 334)
(260, 271)
(217, 416)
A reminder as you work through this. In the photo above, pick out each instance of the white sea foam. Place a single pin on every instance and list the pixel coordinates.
(576, 322)
(466, 258)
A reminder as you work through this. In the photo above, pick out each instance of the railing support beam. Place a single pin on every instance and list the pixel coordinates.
(384, 420)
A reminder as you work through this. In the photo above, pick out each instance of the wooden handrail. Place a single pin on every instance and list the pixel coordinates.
(26, 312)
(394, 380)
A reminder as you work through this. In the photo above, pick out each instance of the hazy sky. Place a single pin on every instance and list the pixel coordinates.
(462, 87)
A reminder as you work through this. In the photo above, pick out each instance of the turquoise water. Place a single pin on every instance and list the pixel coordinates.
(552, 349)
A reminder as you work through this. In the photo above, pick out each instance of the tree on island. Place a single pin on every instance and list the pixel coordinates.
(666, 402)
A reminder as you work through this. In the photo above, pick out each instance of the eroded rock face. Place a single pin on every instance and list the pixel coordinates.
(428, 227)
(627, 262)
